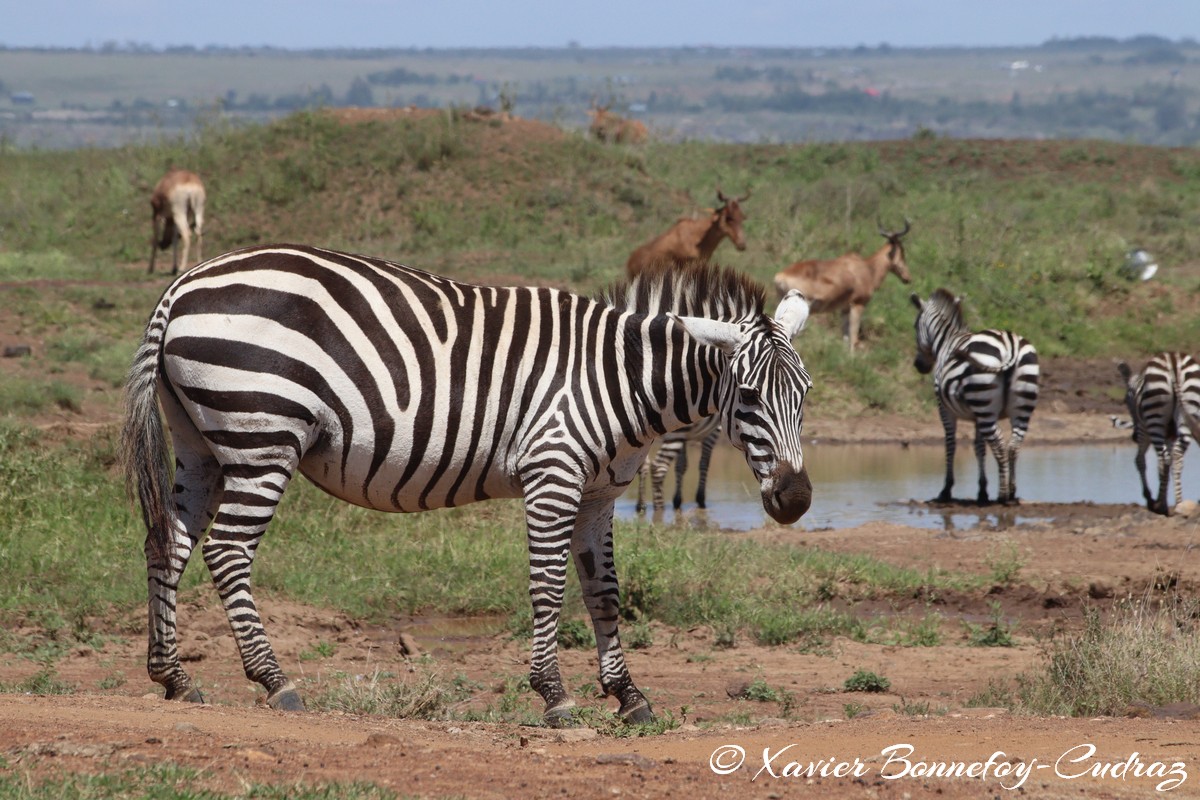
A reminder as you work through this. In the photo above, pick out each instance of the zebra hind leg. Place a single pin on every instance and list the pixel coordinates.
(1159, 506)
(1009, 497)
(658, 472)
(251, 495)
(681, 465)
(706, 451)
(197, 477)
(1181, 446)
(641, 482)
(592, 548)
(950, 428)
(981, 458)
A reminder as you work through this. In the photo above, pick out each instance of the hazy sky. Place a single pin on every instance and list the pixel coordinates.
(597, 23)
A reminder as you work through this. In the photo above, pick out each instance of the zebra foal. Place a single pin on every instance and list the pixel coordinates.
(398, 390)
(1164, 404)
(982, 377)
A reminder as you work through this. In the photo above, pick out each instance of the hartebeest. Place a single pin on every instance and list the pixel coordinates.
(847, 282)
(178, 201)
(609, 127)
(694, 239)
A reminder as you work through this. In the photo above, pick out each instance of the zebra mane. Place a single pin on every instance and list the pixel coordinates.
(695, 289)
(947, 305)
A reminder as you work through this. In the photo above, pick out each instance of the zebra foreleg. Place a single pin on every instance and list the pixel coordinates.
(592, 548)
(551, 508)
(252, 493)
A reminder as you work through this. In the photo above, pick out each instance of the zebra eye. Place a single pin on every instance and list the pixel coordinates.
(748, 396)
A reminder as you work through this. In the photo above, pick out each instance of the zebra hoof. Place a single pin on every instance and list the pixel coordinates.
(192, 695)
(561, 717)
(286, 698)
(639, 714)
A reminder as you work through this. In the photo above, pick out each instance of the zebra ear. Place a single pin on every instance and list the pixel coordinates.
(725, 336)
(792, 313)
(916, 300)
(1126, 373)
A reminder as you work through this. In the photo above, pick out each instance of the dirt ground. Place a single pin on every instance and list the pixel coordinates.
(1085, 554)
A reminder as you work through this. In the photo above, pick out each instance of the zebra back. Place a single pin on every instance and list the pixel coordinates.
(1163, 398)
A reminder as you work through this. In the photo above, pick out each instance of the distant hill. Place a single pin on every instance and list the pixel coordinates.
(1144, 89)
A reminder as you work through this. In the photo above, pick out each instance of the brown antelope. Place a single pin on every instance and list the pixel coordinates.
(847, 282)
(694, 239)
(609, 127)
(178, 200)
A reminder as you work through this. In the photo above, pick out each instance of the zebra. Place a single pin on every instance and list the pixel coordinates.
(1164, 404)
(400, 390)
(673, 449)
(981, 376)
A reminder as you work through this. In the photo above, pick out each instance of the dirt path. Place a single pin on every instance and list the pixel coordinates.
(1086, 554)
(883, 756)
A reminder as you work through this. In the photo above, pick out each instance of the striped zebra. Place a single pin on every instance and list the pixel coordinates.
(1164, 403)
(399, 390)
(672, 449)
(982, 377)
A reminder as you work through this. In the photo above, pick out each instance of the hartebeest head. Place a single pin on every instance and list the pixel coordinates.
(895, 254)
(729, 218)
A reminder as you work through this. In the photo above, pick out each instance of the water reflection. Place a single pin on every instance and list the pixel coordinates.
(857, 484)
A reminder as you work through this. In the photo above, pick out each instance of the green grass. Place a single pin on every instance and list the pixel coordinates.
(172, 782)
(66, 563)
(1031, 252)
(1142, 655)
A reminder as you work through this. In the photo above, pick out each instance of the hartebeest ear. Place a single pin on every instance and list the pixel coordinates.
(916, 301)
(725, 336)
(792, 313)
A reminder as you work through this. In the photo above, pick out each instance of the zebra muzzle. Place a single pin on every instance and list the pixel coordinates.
(787, 494)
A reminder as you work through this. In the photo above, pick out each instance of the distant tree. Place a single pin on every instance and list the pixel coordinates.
(1170, 114)
(1160, 54)
(360, 94)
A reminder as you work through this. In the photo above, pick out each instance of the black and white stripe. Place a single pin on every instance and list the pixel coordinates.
(400, 390)
(672, 449)
(982, 377)
(1164, 404)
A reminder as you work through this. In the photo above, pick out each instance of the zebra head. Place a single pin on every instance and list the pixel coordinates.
(941, 315)
(760, 397)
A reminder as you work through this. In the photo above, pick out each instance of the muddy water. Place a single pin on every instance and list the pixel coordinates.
(856, 484)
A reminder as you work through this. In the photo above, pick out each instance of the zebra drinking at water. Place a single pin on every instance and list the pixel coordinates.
(400, 390)
(1164, 403)
(981, 377)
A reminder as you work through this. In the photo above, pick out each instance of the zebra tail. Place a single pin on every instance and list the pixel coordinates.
(143, 447)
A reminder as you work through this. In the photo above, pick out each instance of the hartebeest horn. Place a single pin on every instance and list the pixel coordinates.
(888, 234)
(721, 195)
(745, 197)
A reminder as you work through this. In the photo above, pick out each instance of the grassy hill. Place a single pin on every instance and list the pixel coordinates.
(1031, 232)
